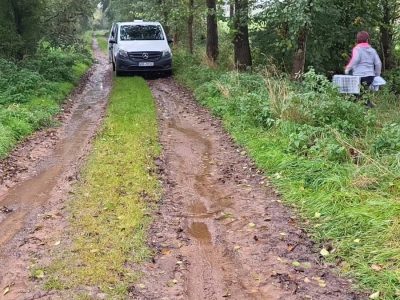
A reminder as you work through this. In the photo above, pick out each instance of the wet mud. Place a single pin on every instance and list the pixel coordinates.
(221, 231)
(36, 179)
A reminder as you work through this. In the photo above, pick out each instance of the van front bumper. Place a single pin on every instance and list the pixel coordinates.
(129, 65)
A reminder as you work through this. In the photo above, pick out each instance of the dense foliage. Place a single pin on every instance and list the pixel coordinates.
(23, 23)
(41, 57)
(318, 33)
(32, 90)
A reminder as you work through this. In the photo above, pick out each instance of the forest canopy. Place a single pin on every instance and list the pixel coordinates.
(318, 33)
(23, 23)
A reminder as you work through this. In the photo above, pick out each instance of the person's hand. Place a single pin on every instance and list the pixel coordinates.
(346, 71)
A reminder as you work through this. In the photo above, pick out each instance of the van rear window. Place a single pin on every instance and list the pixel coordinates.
(141, 32)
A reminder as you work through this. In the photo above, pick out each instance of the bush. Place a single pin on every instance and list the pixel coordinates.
(388, 141)
(320, 104)
(55, 63)
(19, 85)
(31, 90)
(243, 95)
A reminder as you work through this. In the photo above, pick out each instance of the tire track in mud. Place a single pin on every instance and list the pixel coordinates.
(36, 195)
(221, 231)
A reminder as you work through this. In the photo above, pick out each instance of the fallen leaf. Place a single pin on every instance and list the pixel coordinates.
(320, 281)
(324, 252)
(165, 251)
(306, 280)
(357, 241)
(375, 295)
(317, 215)
(38, 274)
(6, 291)
(57, 243)
(296, 264)
(236, 248)
(94, 250)
(141, 286)
(252, 225)
(376, 267)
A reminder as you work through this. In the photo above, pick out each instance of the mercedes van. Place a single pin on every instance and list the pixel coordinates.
(139, 47)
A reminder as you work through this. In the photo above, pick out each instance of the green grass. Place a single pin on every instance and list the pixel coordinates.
(32, 90)
(103, 43)
(102, 39)
(356, 207)
(109, 214)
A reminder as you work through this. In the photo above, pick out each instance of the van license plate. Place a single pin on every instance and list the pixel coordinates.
(146, 64)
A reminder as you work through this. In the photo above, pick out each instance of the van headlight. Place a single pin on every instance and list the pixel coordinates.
(166, 53)
(123, 53)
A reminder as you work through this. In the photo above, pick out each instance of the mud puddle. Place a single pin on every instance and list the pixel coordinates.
(221, 231)
(47, 165)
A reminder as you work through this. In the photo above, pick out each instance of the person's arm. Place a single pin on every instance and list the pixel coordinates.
(377, 64)
(355, 59)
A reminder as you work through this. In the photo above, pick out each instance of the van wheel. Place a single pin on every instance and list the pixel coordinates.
(168, 73)
(113, 64)
(118, 73)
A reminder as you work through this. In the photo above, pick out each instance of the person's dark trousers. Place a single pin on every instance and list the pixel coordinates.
(366, 83)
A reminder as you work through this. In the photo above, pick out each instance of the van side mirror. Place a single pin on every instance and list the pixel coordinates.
(112, 41)
(170, 41)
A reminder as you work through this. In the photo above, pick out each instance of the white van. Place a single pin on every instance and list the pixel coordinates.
(139, 47)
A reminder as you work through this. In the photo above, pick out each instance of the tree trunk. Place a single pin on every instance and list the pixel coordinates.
(212, 30)
(387, 35)
(242, 53)
(231, 10)
(190, 26)
(299, 59)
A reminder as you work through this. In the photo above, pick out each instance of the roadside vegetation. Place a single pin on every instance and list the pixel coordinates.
(31, 90)
(102, 38)
(332, 159)
(42, 58)
(110, 211)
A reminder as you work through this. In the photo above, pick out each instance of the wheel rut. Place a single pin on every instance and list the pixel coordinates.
(36, 180)
(221, 231)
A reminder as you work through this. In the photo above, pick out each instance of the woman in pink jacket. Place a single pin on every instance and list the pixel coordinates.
(365, 61)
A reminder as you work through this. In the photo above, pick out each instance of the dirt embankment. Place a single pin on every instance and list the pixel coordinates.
(221, 231)
(36, 179)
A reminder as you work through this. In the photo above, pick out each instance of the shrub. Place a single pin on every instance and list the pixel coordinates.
(19, 84)
(55, 63)
(320, 104)
(388, 141)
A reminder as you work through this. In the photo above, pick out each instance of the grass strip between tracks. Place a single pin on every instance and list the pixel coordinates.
(109, 214)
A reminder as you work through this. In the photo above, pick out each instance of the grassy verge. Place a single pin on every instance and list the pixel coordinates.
(335, 162)
(102, 39)
(110, 212)
(103, 43)
(32, 90)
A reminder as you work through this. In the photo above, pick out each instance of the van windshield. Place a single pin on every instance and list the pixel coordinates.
(141, 32)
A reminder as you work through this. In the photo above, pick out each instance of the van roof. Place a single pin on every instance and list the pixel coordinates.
(139, 22)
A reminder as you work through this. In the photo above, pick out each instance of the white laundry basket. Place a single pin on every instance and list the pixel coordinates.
(347, 84)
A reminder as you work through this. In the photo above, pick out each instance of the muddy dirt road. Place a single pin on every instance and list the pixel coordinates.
(221, 232)
(38, 176)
